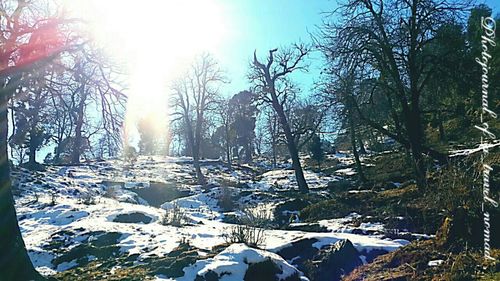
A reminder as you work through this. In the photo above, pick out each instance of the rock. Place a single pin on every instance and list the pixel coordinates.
(133, 218)
(282, 211)
(113, 183)
(299, 251)
(209, 276)
(266, 271)
(308, 227)
(328, 263)
(333, 262)
(243, 185)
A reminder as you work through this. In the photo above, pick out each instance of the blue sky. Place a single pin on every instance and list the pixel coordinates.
(264, 25)
(251, 25)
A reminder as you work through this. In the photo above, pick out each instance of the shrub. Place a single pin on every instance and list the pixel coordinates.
(249, 235)
(111, 192)
(174, 216)
(88, 198)
(316, 150)
(454, 186)
(258, 217)
(130, 155)
(250, 229)
(35, 200)
(53, 198)
(225, 201)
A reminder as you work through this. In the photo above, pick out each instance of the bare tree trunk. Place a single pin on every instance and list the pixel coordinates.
(168, 143)
(195, 152)
(274, 153)
(196, 164)
(33, 142)
(299, 173)
(414, 120)
(273, 140)
(13, 124)
(359, 167)
(32, 152)
(238, 154)
(248, 153)
(413, 123)
(289, 62)
(196, 148)
(362, 149)
(228, 147)
(442, 135)
(415, 139)
(77, 146)
(15, 263)
(57, 156)
(60, 131)
(292, 148)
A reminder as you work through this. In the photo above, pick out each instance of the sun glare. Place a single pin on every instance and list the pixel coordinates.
(156, 40)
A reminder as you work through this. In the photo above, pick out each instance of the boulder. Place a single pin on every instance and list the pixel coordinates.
(333, 262)
(133, 218)
(330, 262)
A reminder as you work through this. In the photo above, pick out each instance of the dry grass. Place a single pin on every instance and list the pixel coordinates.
(174, 216)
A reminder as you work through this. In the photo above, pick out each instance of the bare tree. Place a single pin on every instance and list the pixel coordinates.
(92, 86)
(195, 95)
(260, 132)
(273, 87)
(31, 111)
(273, 132)
(386, 40)
(305, 118)
(25, 43)
(226, 119)
(61, 119)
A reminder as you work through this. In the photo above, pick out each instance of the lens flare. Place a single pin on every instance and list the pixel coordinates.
(156, 40)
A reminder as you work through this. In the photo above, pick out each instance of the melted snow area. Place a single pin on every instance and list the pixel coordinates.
(68, 206)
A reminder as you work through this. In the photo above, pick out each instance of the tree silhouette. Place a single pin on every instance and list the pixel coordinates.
(273, 88)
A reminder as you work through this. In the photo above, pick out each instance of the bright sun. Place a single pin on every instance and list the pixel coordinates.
(156, 39)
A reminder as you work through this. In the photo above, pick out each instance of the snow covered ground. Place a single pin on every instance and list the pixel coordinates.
(284, 179)
(64, 208)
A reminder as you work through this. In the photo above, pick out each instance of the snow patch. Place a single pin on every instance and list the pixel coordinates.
(233, 262)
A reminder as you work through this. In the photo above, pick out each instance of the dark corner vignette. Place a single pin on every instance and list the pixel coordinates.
(279, 140)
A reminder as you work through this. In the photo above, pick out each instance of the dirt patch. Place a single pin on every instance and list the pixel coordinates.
(124, 267)
(95, 245)
(411, 262)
